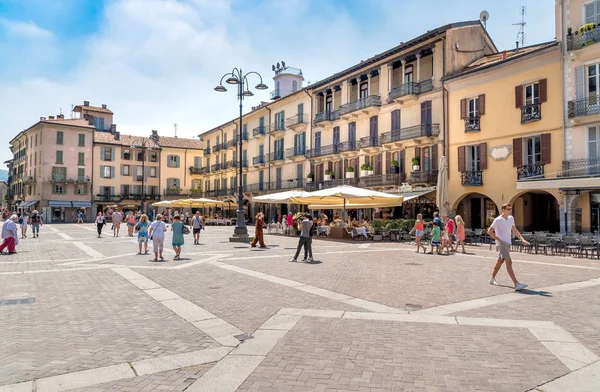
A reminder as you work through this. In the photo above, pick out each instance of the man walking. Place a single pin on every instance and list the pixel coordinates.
(36, 222)
(10, 235)
(258, 234)
(117, 218)
(500, 230)
(197, 226)
(306, 225)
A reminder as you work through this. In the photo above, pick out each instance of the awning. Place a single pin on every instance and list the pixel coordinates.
(28, 204)
(82, 204)
(413, 195)
(59, 203)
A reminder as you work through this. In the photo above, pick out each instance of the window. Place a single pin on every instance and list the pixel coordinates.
(532, 150)
(153, 157)
(197, 162)
(107, 154)
(41, 134)
(472, 158)
(81, 174)
(364, 89)
(81, 159)
(36, 139)
(197, 184)
(173, 161)
(329, 103)
(294, 85)
(278, 175)
(126, 170)
(473, 107)
(352, 132)
(593, 137)
(277, 86)
(99, 123)
(81, 189)
(408, 74)
(59, 157)
(318, 140)
(172, 183)
(280, 120)
(139, 173)
(59, 189)
(81, 140)
(126, 154)
(152, 171)
(140, 156)
(59, 173)
(35, 158)
(106, 172)
(532, 93)
(592, 12)
(59, 137)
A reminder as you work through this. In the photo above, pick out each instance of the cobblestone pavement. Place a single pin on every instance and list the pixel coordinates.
(365, 316)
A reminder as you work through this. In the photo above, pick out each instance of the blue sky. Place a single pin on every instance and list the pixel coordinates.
(155, 62)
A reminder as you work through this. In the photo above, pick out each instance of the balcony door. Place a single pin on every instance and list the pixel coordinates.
(336, 136)
(364, 89)
(408, 74)
(329, 103)
(374, 130)
(352, 134)
(592, 88)
(593, 149)
(533, 150)
(317, 142)
(426, 118)
(473, 159)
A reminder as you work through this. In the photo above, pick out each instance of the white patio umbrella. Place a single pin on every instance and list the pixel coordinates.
(441, 196)
(280, 197)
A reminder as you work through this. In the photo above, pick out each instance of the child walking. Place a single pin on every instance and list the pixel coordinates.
(435, 238)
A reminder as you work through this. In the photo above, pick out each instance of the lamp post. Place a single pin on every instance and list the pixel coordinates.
(142, 144)
(236, 76)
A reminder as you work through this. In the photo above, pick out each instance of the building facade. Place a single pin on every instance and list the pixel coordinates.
(505, 135)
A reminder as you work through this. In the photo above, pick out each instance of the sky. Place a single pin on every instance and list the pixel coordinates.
(155, 62)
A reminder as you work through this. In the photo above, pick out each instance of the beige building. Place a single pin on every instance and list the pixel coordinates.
(53, 167)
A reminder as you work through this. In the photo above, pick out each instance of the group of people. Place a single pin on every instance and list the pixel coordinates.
(146, 230)
(10, 230)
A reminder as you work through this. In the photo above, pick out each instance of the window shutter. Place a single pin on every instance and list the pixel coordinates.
(519, 97)
(401, 161)
(388, 160)
(122, 170)
(434, 157)
(418, 153)
(112, 172)
(101, 171)
(461, 159)
(395, 119)
(517, 152)
(579, 82)
(481, 108)
(483, 156)
(543, 90)
(546, 150)
(463, 109)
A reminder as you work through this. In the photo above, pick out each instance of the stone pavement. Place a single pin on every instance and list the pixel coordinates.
(364, 316)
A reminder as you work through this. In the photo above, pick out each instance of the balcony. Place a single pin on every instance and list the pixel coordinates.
(391, 179)
(108, 198)
(175, 192)
(530, 172)
(297, 123)
(258, 131)
(30, 180)
(207, 151)
(315, 186)
(275, 156)
(423, 177)
(472, 124)
(370, 143)
(348, 148)
(216, 167)
(368, 106)
(276, 94)
(583, 107)
(58, 178)
(581, 168)
(327, 116)
(216, 148)
(258, 160)
(409, 91)
(234, 163)
(322, 151)
(196, 170)
(409, 133)
(295, 153)
(138, 178)
(581, 40)
(276, 129)
(471, 178)
(531, 112)
(205, 170)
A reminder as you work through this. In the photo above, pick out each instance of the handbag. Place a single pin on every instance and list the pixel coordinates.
(185, 230)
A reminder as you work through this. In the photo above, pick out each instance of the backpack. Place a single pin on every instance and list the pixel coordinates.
(21, 220)
(313, 228)
(185, 230)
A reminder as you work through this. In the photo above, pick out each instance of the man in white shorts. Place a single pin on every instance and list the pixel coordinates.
(500, 230)
(157, 234)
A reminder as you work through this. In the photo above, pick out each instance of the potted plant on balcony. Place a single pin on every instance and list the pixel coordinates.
(349, 172)
(370, 171)
(569, 31)
(395, 167)
(310, 177)
(416, 163)
(328, 174)
(364, 170)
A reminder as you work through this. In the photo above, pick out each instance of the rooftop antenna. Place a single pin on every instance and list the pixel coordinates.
(72, 107)
(175, 128)
(521, 33)
(483, 17)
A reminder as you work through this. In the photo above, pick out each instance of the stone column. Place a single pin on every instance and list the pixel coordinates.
(418, 68)
(403, 71)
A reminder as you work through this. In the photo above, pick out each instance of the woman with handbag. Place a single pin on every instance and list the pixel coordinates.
(142, 233)
(100, 222)
(178, 229)
(418, 230)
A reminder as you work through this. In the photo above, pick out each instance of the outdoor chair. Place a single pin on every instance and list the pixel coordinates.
(571, 246)
(542, 244)
(385, 234)
(587, 245)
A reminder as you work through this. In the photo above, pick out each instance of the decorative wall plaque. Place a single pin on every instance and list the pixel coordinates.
(501, 152)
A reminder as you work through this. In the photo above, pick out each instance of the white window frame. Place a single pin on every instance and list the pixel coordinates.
(597, 12)
(473, 107)
(126, 170)
(470, 163)
(526, 156)
(587, 141)
(173, 161)
(534, 99)
(152, 171)
(107, 169)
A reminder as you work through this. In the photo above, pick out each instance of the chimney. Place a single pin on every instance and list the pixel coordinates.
(517, 42)
(113, 128)
(154, 135)
(42, 118)
(103, 106)
(86, 103)
(60, 117)
(504, 55)
(50, 117)
(117, 135)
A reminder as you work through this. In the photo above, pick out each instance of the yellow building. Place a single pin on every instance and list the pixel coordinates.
(505, 136)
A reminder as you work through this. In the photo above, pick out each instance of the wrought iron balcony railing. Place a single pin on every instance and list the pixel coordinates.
(205, 170)
(471, 178)
(207, 151)
(531, 112)
(534, 171)
(586, 38)
(258, 160)
(382, 180)
(322, 151)
(411, 89)
(370, 141)
(215, 167)
(423, 177)
(196, 170)
(362, 103)
(581, 168)
(583, 107)
(351, 145)
(294, 152)
(327, 116)
(472, 124)
(258, 131)
(297, 119)
(275, 156)
(423, 130)
(216, 148)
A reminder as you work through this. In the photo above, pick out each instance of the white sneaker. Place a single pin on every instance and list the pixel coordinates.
(493, 282)
(292, 260)
(304, 260)
(520, 286)
(310, 259)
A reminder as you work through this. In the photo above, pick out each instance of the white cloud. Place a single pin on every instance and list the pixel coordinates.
(24, 29)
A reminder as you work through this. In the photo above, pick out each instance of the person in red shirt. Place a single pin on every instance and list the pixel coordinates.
(449, 234)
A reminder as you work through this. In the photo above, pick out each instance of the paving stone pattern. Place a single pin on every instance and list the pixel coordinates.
(355, 355)
(84, 320)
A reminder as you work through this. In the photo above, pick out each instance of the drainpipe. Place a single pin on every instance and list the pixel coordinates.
(311, 127)
(269, 143)
(185, 167)
(445, 132)
(564, 122)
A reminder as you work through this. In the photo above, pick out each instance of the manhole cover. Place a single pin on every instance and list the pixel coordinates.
(20, 301)
(243, 337)
(414, 264)
(414, 306)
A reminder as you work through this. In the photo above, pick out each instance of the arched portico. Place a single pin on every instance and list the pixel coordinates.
(536, 210)
(477, 210)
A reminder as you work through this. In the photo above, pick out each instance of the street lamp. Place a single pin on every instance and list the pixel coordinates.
(237, 77)
(143, 144)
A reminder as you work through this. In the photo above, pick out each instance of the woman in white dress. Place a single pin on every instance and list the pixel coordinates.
(24, 223)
